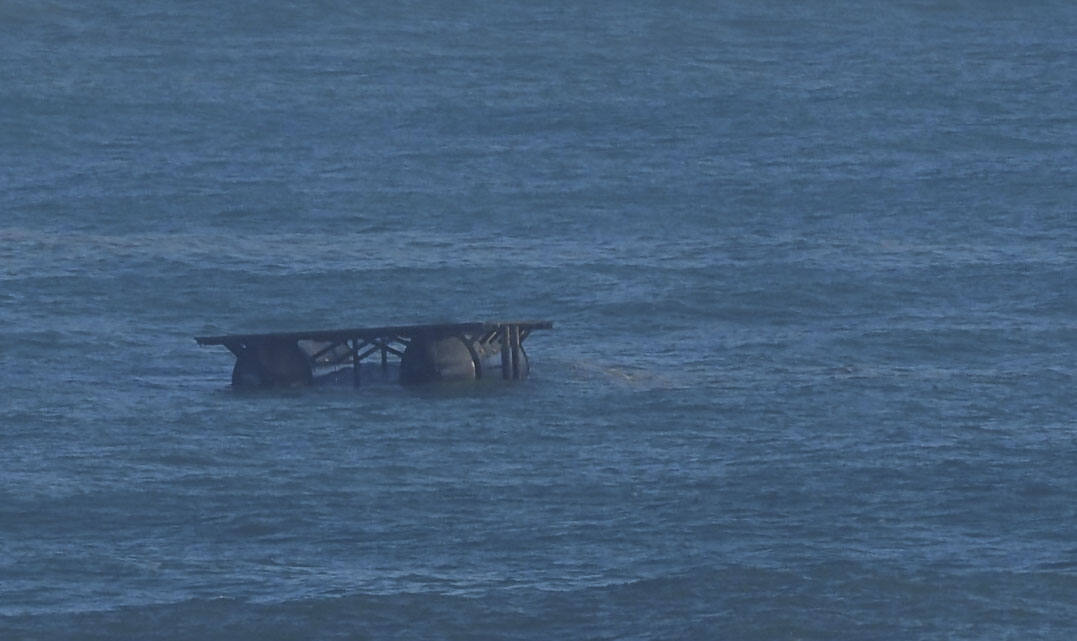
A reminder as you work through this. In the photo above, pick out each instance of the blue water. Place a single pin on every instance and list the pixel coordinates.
(811, 267)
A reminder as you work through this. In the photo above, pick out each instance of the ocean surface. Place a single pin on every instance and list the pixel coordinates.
(811, 267)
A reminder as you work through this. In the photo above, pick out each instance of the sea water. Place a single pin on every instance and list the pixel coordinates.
(811, 267)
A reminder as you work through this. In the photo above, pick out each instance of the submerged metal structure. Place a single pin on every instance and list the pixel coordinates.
(425, 353)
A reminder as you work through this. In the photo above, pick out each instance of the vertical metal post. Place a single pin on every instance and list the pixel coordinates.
(355, 362)
(506, 358)
(515, 341)
(384, 357)
(473, 352)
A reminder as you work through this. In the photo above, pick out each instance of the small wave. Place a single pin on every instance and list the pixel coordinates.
(625, 376)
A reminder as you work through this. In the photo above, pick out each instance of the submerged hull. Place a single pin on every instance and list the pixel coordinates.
(426, 353)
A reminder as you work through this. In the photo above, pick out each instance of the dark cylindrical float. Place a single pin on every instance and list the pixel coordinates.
(428, 360)
(272, 364)
(453, 358)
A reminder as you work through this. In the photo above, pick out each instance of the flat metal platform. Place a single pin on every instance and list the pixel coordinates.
(374, 333)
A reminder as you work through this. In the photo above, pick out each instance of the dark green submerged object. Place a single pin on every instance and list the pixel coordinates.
(427, 353)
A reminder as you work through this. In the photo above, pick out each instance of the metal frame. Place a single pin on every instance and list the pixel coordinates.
(343, 347)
